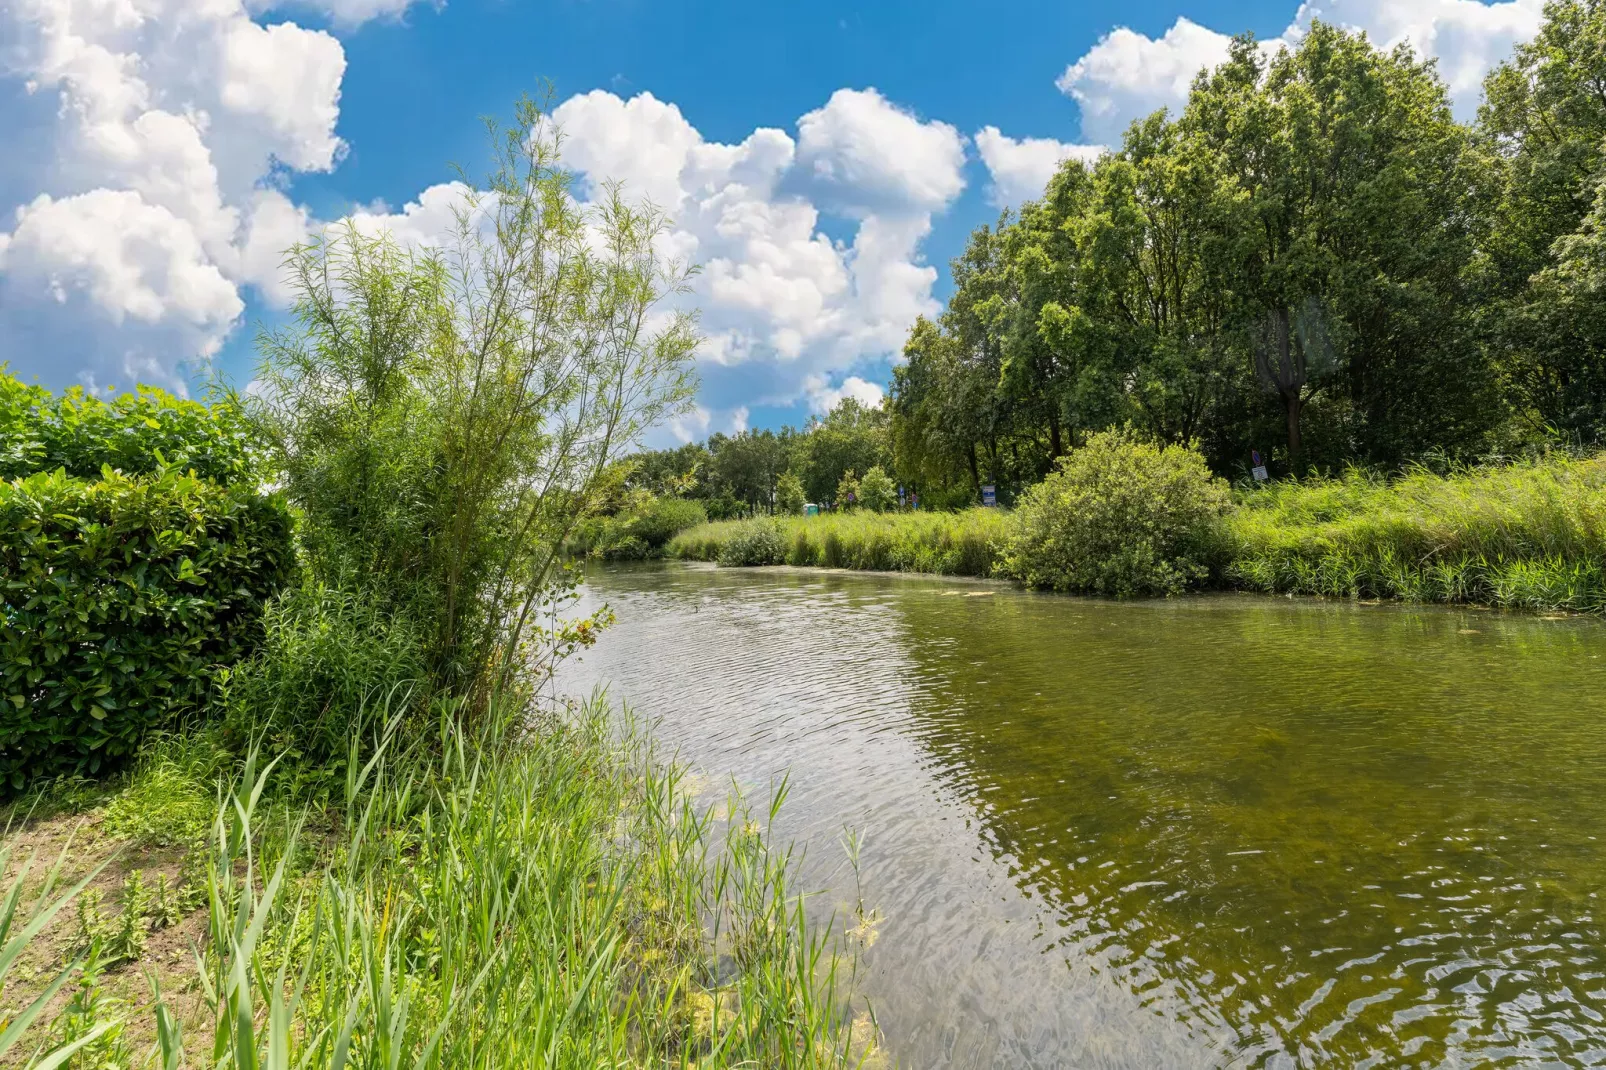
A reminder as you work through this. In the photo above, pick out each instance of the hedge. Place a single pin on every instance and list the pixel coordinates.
(119, 597)
(138, 432)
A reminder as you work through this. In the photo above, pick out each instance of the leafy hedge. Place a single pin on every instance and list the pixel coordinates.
(140, 432)
(118, 598)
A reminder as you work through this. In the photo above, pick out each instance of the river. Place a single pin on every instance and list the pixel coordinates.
(1212, 831)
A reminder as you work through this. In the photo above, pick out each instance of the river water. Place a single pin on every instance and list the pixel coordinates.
(1213, 831)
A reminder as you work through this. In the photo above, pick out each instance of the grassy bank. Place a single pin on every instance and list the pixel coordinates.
(949, 544)
(1527, 535)
(523, 894)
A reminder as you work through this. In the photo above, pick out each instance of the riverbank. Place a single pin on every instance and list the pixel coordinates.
(495, 896)
(1530, 535)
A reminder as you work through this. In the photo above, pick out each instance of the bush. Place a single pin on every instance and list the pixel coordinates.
(329, 662)
(1120, 517)
(877, 492)
(119, 599)
(141, 432)
(664, 519)
(755, 542)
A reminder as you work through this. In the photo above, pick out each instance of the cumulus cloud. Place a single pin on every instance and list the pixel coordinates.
(1127, 75)
(150, 202)
(345, 13)
(823, 397)
(1020, 169)
(785, 309)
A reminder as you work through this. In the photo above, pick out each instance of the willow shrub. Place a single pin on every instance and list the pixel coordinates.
(1526, 535)
(119, 599)
(1120, 517)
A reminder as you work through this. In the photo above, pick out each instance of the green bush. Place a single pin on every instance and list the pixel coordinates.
(1120, 517)
(754, 542)
(141, 432)
(119, 598)
(789, 497)
(877, 492)
(664, 519)
(329, 661)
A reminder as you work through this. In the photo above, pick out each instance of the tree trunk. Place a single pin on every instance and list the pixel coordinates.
(975, 472)
(1055, 445)
(1291, 406)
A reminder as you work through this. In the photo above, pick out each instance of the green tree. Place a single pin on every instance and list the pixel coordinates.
(443, 417)
(789, 495)
(1543, 126)
(877, 492)
(851, 437)
(847, 492)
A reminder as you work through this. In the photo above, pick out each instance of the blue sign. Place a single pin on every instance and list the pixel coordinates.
(989, 495)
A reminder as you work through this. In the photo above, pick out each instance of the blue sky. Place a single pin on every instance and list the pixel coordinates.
(170, 147)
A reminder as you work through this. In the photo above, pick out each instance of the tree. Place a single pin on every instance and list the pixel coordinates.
(877, 492)
(847, 492)
(789, 495)
(1543, 126)
(443, 417)
(851, 437)
(1351, 231)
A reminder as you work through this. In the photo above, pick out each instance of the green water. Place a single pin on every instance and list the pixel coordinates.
(1201, 832)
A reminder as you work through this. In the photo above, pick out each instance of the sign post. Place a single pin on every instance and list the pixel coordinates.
(1259, 470)
(989, 495)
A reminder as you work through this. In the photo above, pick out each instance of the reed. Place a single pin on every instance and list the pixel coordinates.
(950, 544)
(536, 891)
(1526, 535)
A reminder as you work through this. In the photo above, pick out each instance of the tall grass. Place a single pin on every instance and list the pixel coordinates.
(1526, 535)
(951, 544)
(529, 893)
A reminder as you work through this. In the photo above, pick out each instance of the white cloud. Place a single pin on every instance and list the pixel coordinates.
(824, 397)
(864, 154)
(151, 203)
(345, 13)
(1020, 169)
(1128, 75)
(783, 304)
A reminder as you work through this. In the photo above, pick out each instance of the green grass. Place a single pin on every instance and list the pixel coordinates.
(950, 544)
(536, 892)
(1527, 535)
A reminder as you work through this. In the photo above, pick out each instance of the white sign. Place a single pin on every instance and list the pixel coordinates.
(1259, 472)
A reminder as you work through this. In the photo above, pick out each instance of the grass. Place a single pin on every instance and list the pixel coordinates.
(1528, 535)
(949, 544)
(536, 892)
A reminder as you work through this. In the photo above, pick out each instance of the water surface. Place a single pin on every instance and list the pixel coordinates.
(1217, 831)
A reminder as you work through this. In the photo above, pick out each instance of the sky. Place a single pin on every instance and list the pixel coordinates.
(821, 162)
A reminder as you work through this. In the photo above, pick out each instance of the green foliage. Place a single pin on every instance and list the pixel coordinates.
(952, 544)
(119, 600)
(789, 500)
(665, 518)
(877, 492)
(1121, 517)
(443, 416)
(847, 491)
(137, 433)
(1529, 535)
(753, 542)
(329, 662)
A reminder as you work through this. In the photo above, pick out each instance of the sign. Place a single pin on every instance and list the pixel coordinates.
(811, 509)
(989, 495)
(1259, 470)
(900, 495)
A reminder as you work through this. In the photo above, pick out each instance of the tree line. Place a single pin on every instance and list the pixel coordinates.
(1313, 260)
